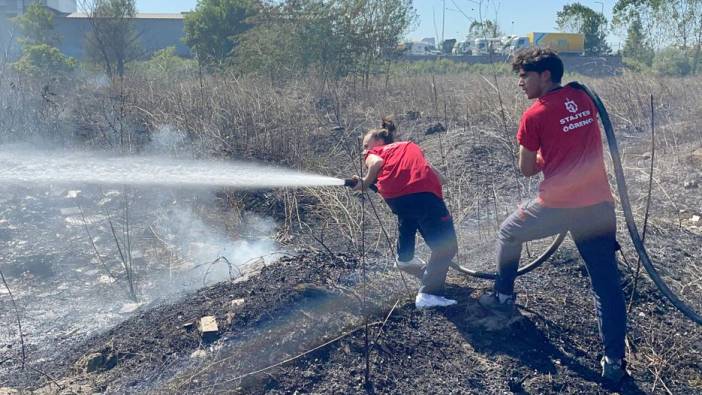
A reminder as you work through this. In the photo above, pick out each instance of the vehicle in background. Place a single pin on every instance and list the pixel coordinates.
(512, 44)
(447, 46)
(564, 43)
(419, 48)
(486, 46)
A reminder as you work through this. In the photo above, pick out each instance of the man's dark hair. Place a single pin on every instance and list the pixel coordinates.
(539, 60)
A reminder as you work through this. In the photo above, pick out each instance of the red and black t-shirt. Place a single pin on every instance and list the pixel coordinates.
(405, 171)
(562, 126)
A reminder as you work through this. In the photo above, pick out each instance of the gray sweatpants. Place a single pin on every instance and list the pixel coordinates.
(594, 230)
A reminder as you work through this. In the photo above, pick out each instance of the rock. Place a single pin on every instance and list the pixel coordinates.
(695, 219)
(438, 128)
(199, 354)
(691, 184)
(238, 302)
(98, 361)
(209, 331)
(8, 391)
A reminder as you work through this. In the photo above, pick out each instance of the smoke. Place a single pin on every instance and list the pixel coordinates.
(210, 254)
(168, 140)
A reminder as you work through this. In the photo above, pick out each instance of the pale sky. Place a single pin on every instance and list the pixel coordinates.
(514, 16)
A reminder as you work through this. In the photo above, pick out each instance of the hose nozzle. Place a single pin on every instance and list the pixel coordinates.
(352, 182)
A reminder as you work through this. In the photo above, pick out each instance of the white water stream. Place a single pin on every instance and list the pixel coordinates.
(23, 166)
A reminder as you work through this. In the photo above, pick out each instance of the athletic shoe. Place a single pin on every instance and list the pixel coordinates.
(613, 372)
(498, 302)
(425, 301)
(414, 267)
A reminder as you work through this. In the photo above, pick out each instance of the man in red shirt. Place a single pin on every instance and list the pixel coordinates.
(560, 137)
(412, 189)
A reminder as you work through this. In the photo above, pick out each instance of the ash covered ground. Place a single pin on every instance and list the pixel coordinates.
(296, 325)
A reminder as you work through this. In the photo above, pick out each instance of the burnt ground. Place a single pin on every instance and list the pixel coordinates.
(312, 302)
(305, 301)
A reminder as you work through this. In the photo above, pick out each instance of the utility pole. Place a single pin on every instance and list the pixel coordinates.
(443, 22)
(601, 3)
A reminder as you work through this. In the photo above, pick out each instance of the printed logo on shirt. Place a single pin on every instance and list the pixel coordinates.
(577, 119)
(571, 106)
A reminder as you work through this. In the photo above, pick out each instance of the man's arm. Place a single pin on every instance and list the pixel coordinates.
(374, 164)
(530, 162)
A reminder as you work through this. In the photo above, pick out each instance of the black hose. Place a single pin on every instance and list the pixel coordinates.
(522, 270)
(626, 207)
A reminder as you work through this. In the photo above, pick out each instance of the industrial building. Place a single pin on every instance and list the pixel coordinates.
(155, 31)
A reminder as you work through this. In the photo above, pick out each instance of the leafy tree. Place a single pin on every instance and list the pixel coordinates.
(665, 22)
(40, 58)
(334, 38)
(37, 26)
(484, 29)
(44, 61)
(636, 46)
(212, 31)
(577, 18)
(112, 40)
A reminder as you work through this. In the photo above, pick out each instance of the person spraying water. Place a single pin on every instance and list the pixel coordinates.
(413, 190)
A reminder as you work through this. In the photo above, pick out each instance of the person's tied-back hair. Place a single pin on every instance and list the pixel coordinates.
(539, 60)
(386, 132)
(389, 124)
(382, 134)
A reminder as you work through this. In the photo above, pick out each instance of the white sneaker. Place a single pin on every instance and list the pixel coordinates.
(425, 301)
(409, 265)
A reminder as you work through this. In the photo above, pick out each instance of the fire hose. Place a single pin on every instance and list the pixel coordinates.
(683, 307)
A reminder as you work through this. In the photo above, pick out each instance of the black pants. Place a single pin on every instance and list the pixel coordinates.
(594, 230)
(426, 213)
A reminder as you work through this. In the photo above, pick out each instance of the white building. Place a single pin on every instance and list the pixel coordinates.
(11, 8)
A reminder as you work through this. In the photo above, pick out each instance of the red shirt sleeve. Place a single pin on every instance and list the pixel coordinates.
(528, 133)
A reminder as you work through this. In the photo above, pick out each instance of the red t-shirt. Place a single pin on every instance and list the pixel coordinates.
(562, 125)
(404, 171)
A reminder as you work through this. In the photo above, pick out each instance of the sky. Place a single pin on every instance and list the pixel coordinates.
(514, 16)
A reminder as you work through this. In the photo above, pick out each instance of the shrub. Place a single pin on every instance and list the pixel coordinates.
(43, 61)
(672, 62)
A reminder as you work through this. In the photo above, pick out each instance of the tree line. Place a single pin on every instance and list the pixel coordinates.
(336, 38)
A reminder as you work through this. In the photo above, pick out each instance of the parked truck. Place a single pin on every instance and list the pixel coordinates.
(564, 43)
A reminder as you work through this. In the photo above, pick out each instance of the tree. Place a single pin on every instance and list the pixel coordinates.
(112, 40)
(577, 18)
(212, 31)
(40, 58)
(335, 38)
(484, 29)
(37, 26)
(636, 46)
(666, 23)
(44, 61)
